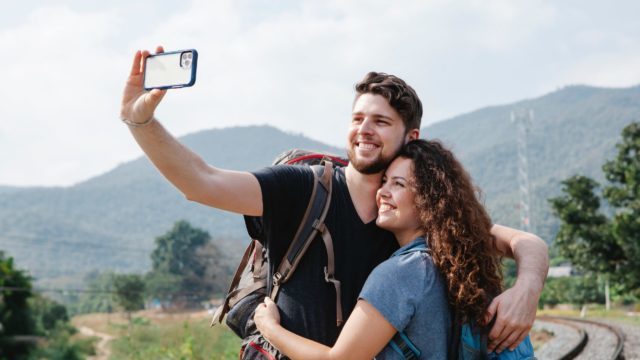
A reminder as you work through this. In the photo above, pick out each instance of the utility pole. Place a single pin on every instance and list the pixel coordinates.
(523, 119)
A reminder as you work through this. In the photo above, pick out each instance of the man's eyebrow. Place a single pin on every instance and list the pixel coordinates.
(383, 117)
(374, 115)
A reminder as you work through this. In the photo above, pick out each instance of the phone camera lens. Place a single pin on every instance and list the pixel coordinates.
(187, 63)
(189, 55)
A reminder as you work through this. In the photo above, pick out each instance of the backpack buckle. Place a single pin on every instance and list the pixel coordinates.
(328, 277)
(277, 278)
(317, 225)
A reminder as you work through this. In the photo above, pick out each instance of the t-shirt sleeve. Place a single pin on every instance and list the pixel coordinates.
(286, 191)
(398, 285)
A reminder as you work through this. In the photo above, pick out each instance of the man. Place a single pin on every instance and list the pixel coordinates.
(386, 114)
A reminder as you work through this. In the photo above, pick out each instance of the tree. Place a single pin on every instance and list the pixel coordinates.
(593, 241)
(15, 316)
(129, 292)
(184, 266)
(94, 300)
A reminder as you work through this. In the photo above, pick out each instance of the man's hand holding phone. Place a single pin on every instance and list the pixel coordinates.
(139, 105)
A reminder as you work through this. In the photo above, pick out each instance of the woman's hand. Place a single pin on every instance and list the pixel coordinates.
(266, 317)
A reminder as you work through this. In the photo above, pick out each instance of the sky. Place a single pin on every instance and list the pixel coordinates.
(289, 64)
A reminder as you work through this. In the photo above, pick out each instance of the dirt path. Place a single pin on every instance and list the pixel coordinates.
(102, 348)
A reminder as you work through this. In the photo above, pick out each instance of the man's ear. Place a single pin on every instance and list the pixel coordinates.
(412, 134)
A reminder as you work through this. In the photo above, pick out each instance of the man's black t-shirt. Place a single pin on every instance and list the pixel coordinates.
(307, 302)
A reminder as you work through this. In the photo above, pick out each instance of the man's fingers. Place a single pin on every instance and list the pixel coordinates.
(519, 340)
(135, 67)
(497, 335)
(510, 341)
(159, 49)
(491, 311)
(145, 54)
(153, 98)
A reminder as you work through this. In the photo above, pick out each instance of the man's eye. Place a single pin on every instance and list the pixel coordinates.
(398, 183)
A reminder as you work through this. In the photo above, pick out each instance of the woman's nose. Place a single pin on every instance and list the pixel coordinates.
(383, 192)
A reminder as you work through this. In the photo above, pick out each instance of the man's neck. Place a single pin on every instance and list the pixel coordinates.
(363, 188)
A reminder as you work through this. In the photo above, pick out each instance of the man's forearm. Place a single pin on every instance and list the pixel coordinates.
(235, 191)
(176, 162)
(532, 259)
(530, 252)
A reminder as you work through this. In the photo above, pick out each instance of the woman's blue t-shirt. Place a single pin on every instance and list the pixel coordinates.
(408, 290)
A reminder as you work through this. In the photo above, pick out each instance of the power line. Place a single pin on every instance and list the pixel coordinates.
(94, 291)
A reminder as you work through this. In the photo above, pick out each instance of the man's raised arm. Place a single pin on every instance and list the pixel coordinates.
(516, 307)
(234, 191)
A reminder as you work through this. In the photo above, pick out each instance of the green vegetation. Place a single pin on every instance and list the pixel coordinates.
(188, 270)
(129, 292)
(15, 316)
(31, 326)
(578, 290)
(186, 267)
(177, 340)
(593, 241)
(97, 298)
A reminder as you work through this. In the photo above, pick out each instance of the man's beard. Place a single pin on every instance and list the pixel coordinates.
(368, 168)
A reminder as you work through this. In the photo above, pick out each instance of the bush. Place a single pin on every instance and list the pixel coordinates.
(576, 290)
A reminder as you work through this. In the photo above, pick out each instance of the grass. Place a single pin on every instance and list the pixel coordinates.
(596, 311)
(155, 335)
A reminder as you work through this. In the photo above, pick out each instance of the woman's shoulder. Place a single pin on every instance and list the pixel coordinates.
(410, 267)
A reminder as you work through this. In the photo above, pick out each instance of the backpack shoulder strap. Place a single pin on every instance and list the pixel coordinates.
(234, 292)
(312, 222)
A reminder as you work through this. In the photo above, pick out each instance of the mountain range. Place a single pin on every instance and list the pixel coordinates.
(110, 221)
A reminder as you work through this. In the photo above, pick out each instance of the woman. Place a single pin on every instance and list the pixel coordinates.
(427, 200)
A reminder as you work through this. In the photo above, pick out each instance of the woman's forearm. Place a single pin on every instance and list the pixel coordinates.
(294, 346)
(365, 334)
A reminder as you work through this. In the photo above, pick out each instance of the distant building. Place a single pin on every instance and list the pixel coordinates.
(560, 271)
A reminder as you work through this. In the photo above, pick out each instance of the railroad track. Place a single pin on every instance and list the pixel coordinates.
(580, 339)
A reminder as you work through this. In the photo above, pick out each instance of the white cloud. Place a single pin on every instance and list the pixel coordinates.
(56, 112)
(607, 70)
(289, 64)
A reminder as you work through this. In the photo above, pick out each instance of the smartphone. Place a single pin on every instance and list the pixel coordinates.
(170, 70)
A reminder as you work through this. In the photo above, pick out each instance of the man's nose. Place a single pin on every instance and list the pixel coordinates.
(366, 127)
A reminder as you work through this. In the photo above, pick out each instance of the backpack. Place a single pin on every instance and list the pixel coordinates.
(468, 342)
(255, 277)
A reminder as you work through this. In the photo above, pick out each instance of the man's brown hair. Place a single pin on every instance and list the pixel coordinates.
(400, 96)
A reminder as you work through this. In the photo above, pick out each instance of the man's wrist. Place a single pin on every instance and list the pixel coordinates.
(137, 124)
(532, 282)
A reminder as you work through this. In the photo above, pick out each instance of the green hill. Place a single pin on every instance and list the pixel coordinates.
(574, 131)
(110, 221)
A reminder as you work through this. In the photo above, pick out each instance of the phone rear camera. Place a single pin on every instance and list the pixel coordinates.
(189, 56)
(187, 63)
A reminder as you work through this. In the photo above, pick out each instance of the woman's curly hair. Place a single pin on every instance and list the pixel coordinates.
(457, 228)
